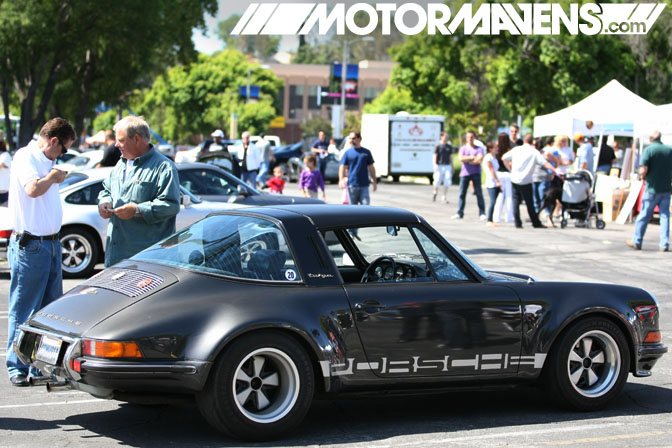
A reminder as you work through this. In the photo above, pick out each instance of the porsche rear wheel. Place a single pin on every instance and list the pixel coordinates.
(260, 387)
(589, 365)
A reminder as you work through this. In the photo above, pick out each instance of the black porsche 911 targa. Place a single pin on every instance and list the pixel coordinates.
(254, 312)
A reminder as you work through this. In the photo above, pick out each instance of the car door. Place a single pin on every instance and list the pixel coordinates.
(445, 323)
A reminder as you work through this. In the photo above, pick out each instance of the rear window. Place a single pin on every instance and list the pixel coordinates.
(235, 246)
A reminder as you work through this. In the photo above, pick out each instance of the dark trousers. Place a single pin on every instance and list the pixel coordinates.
(493, 193)
(524, 193)
(464, 186)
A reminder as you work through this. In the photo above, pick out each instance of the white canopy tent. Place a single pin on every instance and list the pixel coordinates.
(659, 119)
(611, 106)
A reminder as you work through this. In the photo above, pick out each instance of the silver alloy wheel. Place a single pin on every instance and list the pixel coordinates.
(77, 253)
(266, 385)
(250, 248)
(594, 363)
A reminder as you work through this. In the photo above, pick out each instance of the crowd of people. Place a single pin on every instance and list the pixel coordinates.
(518, 170)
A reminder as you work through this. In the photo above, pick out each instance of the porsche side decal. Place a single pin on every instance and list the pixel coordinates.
(416, 365)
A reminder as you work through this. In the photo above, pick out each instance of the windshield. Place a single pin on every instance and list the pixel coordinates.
(235, 246)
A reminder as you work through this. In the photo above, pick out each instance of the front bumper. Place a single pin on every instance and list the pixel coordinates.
(647, 356)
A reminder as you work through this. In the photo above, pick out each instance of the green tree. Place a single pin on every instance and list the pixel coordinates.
(199, 97)
(65, 57)
(314, 125)
(260, 46)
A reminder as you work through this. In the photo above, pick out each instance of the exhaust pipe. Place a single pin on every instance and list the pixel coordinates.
(40, 380)
(55, 386)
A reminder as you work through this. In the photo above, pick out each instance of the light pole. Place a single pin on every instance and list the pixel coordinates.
(344, 71)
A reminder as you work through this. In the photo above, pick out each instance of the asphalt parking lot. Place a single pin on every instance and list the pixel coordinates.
(517, 417)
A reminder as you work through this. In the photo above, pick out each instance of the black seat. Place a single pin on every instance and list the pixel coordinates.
(265, 264)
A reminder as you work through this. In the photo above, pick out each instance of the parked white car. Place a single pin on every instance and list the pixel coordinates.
(83, 161)
(84, 232)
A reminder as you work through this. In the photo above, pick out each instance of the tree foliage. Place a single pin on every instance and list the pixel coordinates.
(314, 125)
(259, 46)
(65, 57)
(202, 96)
(488, 80)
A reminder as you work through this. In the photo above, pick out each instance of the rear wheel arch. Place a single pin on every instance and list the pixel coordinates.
(308, 344)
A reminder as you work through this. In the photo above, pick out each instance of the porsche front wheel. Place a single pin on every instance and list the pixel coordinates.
(260, 387)
(589, 365)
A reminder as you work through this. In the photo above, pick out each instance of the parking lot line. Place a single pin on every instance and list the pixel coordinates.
(52, 403)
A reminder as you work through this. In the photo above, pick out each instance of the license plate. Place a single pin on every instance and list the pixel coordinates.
(48, 350)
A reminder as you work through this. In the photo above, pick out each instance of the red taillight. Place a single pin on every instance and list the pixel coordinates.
(76, 365)
(653, 337)
(5, 233)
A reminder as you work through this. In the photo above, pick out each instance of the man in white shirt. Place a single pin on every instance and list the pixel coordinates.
(522, 161)
(34, 253)
(250, 160)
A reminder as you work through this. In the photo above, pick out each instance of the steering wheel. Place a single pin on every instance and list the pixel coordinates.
(374, 264)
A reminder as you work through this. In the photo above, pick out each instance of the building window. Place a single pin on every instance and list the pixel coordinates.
(370, 93)
(295, 101)
(313, 92)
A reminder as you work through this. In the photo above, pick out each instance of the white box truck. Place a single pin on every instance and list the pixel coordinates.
(402, 144)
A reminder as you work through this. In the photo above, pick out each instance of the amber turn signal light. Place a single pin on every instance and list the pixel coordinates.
(653, 336)
(109, 349)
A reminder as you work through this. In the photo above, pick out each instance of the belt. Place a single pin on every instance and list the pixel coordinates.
(54, 237)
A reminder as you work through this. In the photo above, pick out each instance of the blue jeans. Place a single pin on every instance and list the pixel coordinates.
(538, 190)
(249, 177)
(359, 195)
(493, 193)
(464, 185)
(36, 281)
(263, 169)
(649, 202)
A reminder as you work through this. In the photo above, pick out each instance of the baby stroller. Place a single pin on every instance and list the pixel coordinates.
(578, 201)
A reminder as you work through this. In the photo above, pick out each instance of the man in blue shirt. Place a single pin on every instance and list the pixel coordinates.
(356, 166)
(586, 155)
(320, 149)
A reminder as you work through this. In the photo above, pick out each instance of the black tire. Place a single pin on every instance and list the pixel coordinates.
(80, 250)
(588, 365)
(395, 178)
(259, 388)
(600, 224)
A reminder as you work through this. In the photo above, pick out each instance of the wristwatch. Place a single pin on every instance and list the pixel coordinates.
(137, 212)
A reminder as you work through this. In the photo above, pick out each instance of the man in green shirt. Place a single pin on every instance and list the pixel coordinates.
(141, 196)
(656, 168)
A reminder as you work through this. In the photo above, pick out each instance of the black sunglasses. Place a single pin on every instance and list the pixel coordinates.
(64, 149)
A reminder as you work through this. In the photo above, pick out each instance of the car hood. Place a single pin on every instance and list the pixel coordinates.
(99, 298)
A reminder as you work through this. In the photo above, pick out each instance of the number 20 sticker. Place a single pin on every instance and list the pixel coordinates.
(290, 275)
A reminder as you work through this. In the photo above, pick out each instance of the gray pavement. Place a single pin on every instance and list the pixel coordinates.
(519, 417)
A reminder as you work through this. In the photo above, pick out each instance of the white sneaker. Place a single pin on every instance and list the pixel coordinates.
(456, 216)
(482, 217)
